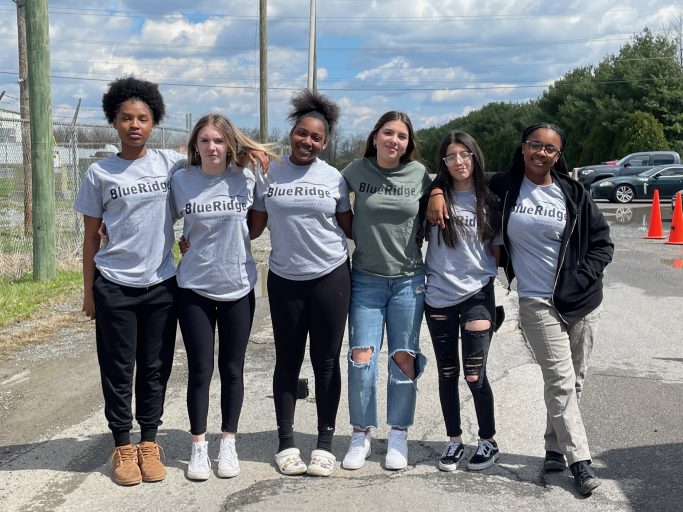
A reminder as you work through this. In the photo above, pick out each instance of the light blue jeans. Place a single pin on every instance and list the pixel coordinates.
(397, 303)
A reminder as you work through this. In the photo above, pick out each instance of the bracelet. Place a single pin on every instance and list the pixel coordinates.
(436, 194)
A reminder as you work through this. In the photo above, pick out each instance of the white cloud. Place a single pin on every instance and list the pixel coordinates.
(435, 60)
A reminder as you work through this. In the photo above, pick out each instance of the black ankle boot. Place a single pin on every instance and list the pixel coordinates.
(584, 478)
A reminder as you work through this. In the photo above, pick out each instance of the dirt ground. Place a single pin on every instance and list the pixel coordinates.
(49, 319)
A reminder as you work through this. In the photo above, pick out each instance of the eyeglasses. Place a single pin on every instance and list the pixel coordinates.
(537, 146)
(465, 156)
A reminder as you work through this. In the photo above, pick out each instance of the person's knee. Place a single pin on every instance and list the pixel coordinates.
(477, 325)
(406, 362)
(404, 359)
(361, 355)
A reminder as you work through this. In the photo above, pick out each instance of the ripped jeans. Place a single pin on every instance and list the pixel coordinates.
(445, 324)
(397, 303)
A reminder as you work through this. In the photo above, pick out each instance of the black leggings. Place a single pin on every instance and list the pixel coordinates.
(444, 326)
(317, 308)
(198, 317)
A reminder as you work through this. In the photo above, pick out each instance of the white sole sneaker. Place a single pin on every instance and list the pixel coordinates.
(198, 475)
(355, 457)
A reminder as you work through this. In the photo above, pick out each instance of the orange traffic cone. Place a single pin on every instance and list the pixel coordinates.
(676, 233)
(655, 229)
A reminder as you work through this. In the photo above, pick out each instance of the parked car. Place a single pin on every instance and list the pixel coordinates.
(630, 165)
(668, 179)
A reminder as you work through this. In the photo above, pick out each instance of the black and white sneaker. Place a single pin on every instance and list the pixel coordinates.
(451, 456)
(486, 454)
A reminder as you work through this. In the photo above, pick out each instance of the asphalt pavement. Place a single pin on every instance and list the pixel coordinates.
(54, 444)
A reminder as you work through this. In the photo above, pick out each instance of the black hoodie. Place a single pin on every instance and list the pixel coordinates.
(585, 251)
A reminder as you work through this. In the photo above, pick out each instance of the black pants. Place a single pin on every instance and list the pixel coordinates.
(134, 326)
(198, 317)
(317, 308)
(444, 326)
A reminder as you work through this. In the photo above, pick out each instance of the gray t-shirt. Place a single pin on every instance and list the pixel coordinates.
(535, 230)
(219, 264)
(456, 273)
(131, 198)
(385, 207)
(301, 202)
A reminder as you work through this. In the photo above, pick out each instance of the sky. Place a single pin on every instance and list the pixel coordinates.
(434, 59)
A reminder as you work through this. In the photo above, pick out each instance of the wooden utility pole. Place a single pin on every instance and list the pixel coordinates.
(40, 95)
(263, 69)
(311, 48)
(24, 116)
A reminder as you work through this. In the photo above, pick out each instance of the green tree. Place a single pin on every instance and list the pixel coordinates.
(641, 131)
(592, 104)
(496, 127)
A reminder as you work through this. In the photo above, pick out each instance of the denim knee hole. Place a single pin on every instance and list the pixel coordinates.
(360, 364)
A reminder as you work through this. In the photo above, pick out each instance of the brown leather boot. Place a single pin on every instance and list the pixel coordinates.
(124, 460)
(149, 460)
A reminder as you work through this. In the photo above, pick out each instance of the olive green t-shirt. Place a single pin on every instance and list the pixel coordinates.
(385, 216)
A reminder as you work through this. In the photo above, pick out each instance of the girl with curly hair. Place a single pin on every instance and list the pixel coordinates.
(129, 284)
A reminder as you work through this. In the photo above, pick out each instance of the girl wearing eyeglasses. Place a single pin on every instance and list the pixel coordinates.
(557, 245)
(461, 266)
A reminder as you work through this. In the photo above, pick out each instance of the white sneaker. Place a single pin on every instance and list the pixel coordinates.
(199, 467)
(228, 463)
(397, 449)
(359, 450)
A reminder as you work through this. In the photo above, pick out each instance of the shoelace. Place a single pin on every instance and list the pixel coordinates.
(124, 455)
(151, 450)
(200, 458)
(451, 449)
(201, 450)
(484, 448)
(228, 455)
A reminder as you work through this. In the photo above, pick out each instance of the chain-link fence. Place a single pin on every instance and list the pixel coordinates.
(75, 147)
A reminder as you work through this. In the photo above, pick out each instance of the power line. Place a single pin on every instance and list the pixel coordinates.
(381, 88)
(180, 15)
(365, 50)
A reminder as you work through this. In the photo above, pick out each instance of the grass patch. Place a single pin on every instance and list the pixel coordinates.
(6, 187)
(20, 298)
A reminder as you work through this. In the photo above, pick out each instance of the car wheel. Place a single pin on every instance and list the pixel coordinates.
(624, 194)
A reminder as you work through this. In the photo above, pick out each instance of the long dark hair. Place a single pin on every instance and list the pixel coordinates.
(517, 162)
(485, 207)
(393, 115)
